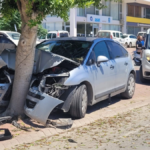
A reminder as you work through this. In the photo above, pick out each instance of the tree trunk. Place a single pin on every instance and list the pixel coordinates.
(24, 63)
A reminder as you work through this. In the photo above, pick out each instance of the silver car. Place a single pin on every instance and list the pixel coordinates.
(73, 73)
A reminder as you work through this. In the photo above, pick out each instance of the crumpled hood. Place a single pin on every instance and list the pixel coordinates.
(43, 60)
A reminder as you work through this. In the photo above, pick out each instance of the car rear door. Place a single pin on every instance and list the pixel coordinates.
(105, 74)
(121, 61)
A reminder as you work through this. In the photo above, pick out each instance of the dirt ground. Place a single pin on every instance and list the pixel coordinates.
(125, 131)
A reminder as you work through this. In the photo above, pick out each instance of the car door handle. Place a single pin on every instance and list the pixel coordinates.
(112, 67)
(125, 63)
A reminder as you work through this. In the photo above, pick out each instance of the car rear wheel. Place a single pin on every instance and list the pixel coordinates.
(130, 45)
(141, 76)
(79, 103)
(130, 87)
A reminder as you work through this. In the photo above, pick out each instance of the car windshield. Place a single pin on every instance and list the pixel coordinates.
(140, 34)
(104, 34)
(74, 50)
(124, 36)
(14, 36)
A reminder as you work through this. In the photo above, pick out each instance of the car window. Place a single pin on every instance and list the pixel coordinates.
(130, 37)
(14, 36)
(114, 50)
(134, 37)
(125, 53)
(114, 34)
(104, 34)
(49, 35)
(117, 35)
(54, 35)
(5, 43)
(101, 50)
(121, 35)
(63, 34)
(2, 35)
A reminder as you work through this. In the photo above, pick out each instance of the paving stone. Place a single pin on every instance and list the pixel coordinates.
(46, 132)
(2, 147)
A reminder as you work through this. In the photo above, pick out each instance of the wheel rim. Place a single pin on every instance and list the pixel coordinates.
(84, 101)
(131, 86)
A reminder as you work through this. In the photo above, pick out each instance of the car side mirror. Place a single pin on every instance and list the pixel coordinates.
(101, 59)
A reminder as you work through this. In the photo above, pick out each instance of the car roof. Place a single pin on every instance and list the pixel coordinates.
(8, 32)
(88, 39)
(109, 31)
(58, 31)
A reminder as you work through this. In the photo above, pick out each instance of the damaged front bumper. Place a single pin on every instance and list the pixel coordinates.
(40, 108)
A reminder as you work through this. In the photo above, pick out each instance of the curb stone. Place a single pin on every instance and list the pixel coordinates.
(47, 132)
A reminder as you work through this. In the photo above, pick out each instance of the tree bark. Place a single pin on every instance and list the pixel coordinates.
(24, 63)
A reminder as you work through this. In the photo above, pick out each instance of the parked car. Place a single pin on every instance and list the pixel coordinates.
(141, 33)
(145, 65)
(73, 73)
(130, 40)
(111, 34)
(54, 34)
(9, 40)
(12, 36)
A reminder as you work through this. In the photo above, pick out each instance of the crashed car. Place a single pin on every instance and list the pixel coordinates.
(71, 74)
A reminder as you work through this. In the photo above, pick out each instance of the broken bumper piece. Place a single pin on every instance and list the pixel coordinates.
(39, 107)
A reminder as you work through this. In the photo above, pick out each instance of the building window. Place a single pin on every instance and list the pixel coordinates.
(130, 10)
(147, 13)
(51, 26)
(137, 11)
(90, 10)
(112, 9)
(134, 11)
(111, 27)
(81, 12)
(133, 30)
(81, 29)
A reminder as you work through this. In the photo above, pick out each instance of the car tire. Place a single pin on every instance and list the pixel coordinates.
(126, 45)
(130, 45)
(128, 94)
(79, 104)
(141, 76)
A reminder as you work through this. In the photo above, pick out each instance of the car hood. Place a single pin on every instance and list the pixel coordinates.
(42, 61)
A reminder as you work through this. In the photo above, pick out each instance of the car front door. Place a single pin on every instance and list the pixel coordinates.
(121, 60)
(104, 74)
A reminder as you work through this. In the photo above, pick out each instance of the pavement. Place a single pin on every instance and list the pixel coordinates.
(94, 113)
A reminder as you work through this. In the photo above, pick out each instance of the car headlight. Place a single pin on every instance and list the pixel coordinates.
(148, 58)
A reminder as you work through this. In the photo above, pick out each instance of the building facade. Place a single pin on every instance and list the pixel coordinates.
(127, 16)
(137, 16)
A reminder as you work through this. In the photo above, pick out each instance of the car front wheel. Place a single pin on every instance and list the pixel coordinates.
(79, 103)
(130, 45)
(130, 87)
(141, 76)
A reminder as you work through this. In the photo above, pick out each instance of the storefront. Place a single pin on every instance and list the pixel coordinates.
(94, 23)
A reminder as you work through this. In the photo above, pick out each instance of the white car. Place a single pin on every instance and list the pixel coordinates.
(130, 40)
(54, 34)
(12, 36)
(111, 34)
(145, 66)
(141, 33)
